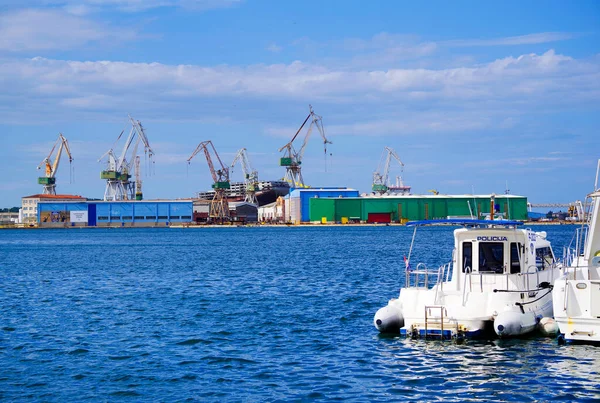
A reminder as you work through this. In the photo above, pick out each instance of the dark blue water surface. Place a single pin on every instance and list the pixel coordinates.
(247, 314)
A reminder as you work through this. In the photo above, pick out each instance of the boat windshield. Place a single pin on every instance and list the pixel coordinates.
(491, 257)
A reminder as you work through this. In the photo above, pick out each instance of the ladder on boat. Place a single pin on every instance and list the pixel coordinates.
(438, 326)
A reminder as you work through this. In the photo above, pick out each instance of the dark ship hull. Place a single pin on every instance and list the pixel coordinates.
(268, 192)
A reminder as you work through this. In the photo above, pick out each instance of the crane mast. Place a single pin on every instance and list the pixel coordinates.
(119, 168)
(380, 177)
(219, 207)
(138, 180)
(250, 176)
(292, 159)
(49, 180)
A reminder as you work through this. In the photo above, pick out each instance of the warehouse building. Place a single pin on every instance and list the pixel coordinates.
(297, 203)
(386, 209)
(146, 213)
(29, 205)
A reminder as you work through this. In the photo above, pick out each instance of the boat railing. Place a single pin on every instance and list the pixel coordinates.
(533, 273)
(576, 246)
(425, 277)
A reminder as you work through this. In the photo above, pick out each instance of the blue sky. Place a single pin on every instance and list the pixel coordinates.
(472, 95)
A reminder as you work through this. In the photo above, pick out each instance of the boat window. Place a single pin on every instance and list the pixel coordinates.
(543, 258)
(467, 250)
(515, 253)
(491, 257)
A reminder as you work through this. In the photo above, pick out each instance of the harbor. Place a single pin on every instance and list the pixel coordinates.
(289, 200)
(181, 313)
(270, 201)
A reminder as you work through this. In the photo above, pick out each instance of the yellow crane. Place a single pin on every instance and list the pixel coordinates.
(49, 181)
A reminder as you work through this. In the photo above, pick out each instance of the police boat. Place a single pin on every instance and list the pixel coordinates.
(499, 280)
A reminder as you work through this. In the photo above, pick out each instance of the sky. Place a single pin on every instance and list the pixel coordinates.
(474, 97)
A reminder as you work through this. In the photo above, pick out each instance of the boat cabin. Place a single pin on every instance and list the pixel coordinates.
(502, 250)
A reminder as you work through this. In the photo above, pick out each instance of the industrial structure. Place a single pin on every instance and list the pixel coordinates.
(219, 209)
(292, 159)
(119, 168)
(250, 176)
(49, 180)
(29, 205)
(381, 183)
(95, 213)
(402, 208)
(289, 200)
(297, 205)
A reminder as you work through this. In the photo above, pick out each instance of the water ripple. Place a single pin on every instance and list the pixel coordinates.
(246, 314)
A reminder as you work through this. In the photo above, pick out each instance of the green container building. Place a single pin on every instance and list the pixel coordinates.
(415, 207)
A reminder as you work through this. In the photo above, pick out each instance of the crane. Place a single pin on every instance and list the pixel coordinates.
(49, 181)
(219, 208)
(292, 159)
(117, 172)
(138, 180)
(380, 177)
(250, 175)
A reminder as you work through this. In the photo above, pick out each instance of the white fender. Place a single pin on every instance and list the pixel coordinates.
(389, 319)
(514, 323)
(548, 327)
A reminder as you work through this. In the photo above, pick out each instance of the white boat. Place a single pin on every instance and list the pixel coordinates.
(498, 281)
(576, 294)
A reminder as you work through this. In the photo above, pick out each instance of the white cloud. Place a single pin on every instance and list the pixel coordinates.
(106, 85)
(38, 30)
(529, 39)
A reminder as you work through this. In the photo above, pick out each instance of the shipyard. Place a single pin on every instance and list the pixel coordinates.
(288, 200)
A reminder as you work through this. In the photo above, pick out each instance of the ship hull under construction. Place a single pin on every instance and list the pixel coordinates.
(268, 192)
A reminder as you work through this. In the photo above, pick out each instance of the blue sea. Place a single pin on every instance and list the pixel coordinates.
(249, 315)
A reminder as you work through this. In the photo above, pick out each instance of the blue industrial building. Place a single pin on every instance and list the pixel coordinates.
(146, 213)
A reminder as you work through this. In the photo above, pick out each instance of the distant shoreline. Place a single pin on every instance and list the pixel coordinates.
(255, 225)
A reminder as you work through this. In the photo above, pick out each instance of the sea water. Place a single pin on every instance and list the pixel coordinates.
(248, 314)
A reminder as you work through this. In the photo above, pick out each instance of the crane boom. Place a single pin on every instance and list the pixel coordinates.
(119, 168)
(250, 175)
(49, 180)
(381, 176)
(292, 159)
(219, 207)
(386, 171)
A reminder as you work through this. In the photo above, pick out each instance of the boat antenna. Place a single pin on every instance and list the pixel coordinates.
(507, 192)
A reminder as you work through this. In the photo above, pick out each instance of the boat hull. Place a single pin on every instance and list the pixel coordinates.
(576, 310)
